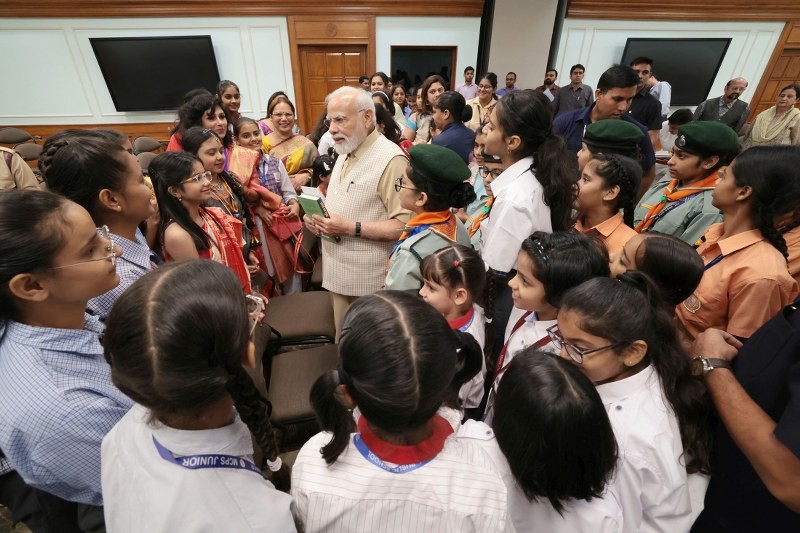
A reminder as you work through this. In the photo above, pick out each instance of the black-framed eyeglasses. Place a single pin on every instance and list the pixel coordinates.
(575, 353)
(494, 173)
(199, 177)
(110, 249)
(398, 184)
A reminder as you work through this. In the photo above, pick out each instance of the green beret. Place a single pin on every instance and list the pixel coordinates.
(612, 136)
(438, 163)
(707, 137)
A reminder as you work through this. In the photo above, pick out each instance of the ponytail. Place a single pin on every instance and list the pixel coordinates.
(332, 415)
(631, 307)
(528, 114)
(468, 363)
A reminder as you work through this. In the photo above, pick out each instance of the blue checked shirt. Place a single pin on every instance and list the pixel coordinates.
(135, 262)
(57, 403)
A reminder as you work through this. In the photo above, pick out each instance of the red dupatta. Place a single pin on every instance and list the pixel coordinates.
(226, 231)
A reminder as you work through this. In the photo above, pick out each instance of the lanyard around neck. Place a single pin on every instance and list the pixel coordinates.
(207, 460)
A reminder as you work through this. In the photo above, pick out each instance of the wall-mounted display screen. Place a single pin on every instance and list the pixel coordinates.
(153, 73)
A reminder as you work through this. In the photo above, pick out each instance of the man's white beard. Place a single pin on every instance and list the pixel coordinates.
(351, 143)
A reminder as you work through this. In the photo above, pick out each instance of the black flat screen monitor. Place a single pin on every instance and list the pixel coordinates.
(153, 73)
(689, 65)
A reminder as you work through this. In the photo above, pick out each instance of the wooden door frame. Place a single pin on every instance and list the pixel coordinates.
(784, 42)
(454, 57)
(299, 35)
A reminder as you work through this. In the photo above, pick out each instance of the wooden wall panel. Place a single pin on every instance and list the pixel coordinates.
(156, 130)
(685, 10)
(217, 8)
(782, 70)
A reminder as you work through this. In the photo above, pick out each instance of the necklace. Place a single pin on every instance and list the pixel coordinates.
(224, 194)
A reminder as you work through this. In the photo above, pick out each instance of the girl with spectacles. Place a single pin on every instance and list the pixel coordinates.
(57, 400)
(548, 265)
(93, 169)
(189, 230)
(183, 458)
(433, 183)
(622, 336)
(483, 103)
(399, 467)
(296, 152)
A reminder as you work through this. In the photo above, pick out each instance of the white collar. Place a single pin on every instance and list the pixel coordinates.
(617, 391)
(511, 174)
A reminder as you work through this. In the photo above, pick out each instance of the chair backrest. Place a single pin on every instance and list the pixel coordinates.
(29, 151)
(145, 158)
(14, 136)
(143, 144)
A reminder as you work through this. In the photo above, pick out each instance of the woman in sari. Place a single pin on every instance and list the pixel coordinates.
(296, 152)
(780, 124)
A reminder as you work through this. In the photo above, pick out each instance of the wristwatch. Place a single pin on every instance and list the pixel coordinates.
(704, 365)
(358, 229)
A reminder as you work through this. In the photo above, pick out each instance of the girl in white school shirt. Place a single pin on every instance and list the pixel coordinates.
(453, 283)
(182, 458)
(535, 192)
(403, 470)
(548, 265)
(555, 448)
(622, 336)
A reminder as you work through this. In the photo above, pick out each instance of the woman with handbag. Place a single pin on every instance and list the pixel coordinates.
(276, 208)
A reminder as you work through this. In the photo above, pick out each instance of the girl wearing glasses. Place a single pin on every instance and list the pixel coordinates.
(399, 467)
(484, 102)
(57, 401)
(93, 169)
(548, 265)
(433, 183)
(622, 336)
(227, 192)
(296, 152)
(177, 343)
(188, 229)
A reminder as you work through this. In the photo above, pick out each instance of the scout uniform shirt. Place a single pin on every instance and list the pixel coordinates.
(404, 272)
(687, 218)
(746, 282)
(613, 231)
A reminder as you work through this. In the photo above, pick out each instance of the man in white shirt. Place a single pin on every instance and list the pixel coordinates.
(468, 89)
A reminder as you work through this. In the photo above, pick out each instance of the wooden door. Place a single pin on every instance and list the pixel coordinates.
(783, 69)
(325, 68)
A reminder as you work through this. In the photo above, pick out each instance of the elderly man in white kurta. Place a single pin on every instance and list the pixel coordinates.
(365, 213)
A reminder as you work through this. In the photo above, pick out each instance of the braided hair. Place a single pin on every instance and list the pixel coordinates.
(773, 174)
(175, 341)
(623, 172)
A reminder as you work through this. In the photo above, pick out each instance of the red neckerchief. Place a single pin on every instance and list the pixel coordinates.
(407, 455)
(459, 323)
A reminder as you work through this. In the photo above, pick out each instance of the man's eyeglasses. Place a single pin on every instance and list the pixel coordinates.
(339, 121)
(575, 353)
(398, 184)
(110, 248)
(255, 310)
(199, 178)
